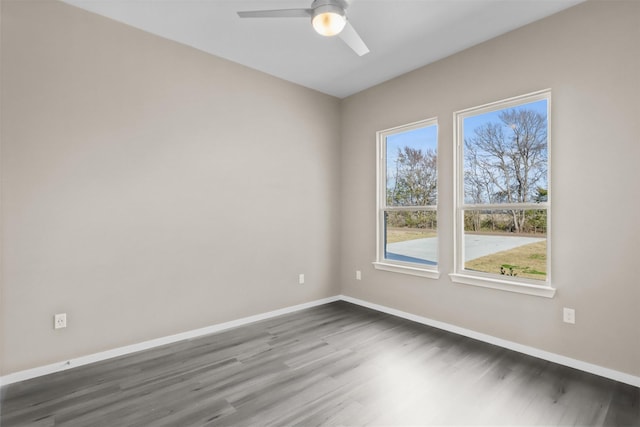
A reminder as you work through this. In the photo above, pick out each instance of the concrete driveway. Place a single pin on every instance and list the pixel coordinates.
(425, 251)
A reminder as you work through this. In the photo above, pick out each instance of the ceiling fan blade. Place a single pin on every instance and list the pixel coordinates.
(276, 13)
(353, 40)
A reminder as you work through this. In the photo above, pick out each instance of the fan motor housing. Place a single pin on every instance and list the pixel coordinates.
(338, 4)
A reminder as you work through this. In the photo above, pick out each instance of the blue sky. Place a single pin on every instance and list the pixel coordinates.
(471, 123)
(427, 137)
(474, 122)
(423, 139)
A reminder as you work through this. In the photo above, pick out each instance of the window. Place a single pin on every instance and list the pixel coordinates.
(407, 199)
(502, 195)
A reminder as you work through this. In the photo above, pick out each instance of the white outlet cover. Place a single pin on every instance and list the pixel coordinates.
(60, 321)
(569, 315)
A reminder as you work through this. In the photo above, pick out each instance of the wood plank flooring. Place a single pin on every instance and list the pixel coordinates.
(336, 364)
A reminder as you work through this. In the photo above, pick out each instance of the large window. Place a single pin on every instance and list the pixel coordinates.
(407, 199)
(502, 195)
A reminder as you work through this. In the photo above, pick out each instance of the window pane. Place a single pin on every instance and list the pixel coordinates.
(411, 168)
(492, 244)
(505, 155)
(411, 236)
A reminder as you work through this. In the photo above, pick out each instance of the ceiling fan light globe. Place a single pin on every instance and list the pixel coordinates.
(328, 20)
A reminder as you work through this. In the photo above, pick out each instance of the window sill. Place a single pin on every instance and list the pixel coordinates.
(404, 269)
(505, 285)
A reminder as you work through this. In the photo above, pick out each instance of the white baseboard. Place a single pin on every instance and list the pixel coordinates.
(531, 351)
(121, 351)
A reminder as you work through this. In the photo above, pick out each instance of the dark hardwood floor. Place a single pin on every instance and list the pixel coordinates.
(337, 364)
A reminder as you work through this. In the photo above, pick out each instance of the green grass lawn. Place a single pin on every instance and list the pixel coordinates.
(529, 261)
(395, 235)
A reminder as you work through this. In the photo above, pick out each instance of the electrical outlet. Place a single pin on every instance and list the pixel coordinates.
(301, 279)
(569, 315)
(358, 275)
(60, 321)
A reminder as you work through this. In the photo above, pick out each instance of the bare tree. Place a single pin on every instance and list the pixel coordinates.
(416, 180)
(415, 183)
(506, 161)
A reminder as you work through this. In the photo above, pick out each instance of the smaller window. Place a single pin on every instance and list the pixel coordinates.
(502, 195)
(408, 199)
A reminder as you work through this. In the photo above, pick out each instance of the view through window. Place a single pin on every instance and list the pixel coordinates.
(408, 195)
(503, 195)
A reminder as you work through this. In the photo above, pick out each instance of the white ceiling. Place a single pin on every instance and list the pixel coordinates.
(402, 34)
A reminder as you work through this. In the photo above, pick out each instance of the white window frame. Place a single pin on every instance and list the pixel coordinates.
(460, 274)
(381, 263)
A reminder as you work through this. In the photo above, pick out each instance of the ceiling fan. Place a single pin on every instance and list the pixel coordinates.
(328, 18)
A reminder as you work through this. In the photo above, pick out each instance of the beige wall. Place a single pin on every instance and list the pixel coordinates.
(589, 57)
(149, 188)
(1, 237)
